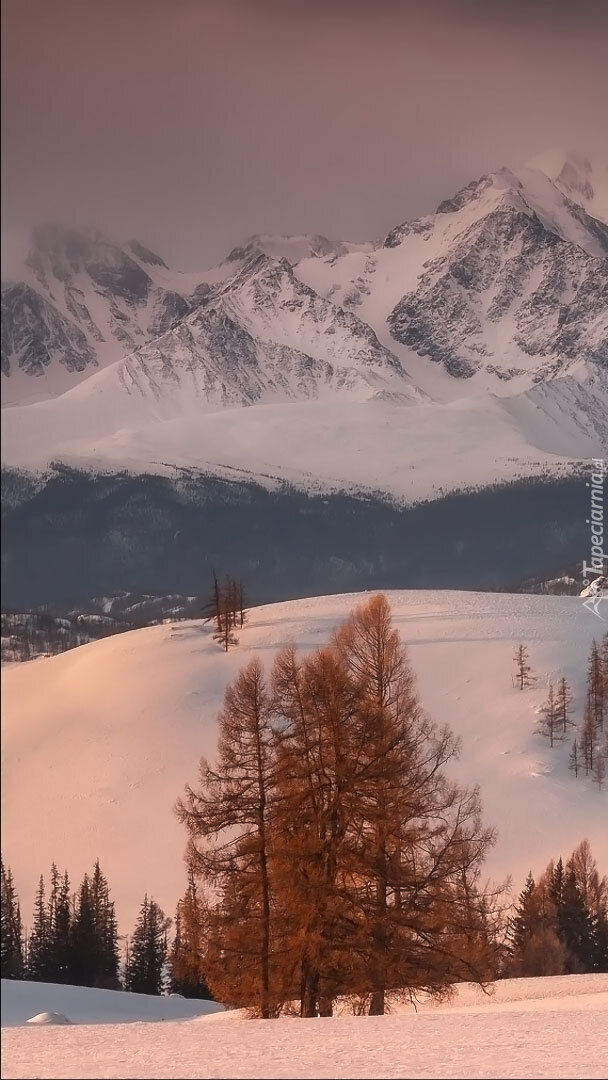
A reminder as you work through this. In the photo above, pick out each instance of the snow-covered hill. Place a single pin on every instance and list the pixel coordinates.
(98, 743)
(550, 1027)
(386, 444)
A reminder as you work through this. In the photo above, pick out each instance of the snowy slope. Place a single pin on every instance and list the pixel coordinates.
(107, 735)
(338, 442)
(549, 1028)
(87, 1005)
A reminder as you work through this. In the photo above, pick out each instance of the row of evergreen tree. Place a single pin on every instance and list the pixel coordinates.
(560, 925)
(74, 939)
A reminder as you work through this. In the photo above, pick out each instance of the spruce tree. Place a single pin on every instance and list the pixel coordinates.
(39, 944)
(85, 952)
(106, 931)
(536, 948)
(574, 927)
(61, 941)
(11, 930)
(147, 950)
(525, 921)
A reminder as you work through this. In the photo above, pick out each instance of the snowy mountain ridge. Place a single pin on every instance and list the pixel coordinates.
(506, 282)
(468, 347)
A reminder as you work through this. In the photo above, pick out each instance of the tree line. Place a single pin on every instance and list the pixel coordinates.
(560, 924)
(74, 939)
(336, 857)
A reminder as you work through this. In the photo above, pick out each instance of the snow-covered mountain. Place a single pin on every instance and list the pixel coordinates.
(506, 284)
(74, 727)
(81, 303)
(469, 347)
(263, 335)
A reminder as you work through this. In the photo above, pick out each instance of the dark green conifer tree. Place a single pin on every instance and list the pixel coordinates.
(11, 935)
(147, 950)
(39, 947)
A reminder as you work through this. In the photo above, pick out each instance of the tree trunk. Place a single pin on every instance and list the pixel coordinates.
(376, 1005)
(377, 1001)
(326, 1006)
(310, 993)
(265, 937)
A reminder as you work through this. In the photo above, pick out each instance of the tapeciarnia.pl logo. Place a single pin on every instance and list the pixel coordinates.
(594, 572)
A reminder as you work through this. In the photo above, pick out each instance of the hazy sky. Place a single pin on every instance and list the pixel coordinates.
(193, 123)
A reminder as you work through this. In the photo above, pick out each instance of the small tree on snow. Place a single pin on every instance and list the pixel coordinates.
(212, 610)
(226, 609)
(563, 703)
(523, 676)
(549, 720)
